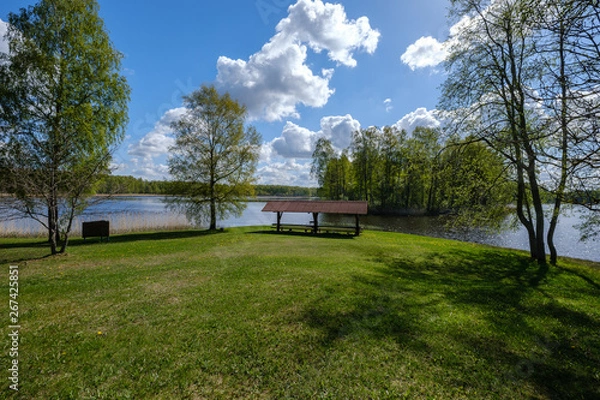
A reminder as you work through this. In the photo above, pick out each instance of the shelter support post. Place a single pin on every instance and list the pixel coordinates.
(357, 219)
(315, 222)
(279, 214)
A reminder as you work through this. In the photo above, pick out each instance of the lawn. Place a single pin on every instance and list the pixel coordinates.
(250, 314)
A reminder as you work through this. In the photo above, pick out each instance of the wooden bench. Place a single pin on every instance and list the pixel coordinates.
(350, 230)
(293, 227)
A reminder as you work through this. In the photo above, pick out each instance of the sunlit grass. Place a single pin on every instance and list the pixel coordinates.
(250, 314)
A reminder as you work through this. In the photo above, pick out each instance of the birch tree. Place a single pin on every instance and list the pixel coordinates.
(63, 111)
(214, 157)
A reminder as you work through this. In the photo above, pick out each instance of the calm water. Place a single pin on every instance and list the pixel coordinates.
(148, 212)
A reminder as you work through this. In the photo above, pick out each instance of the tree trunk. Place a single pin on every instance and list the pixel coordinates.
(53, 227)
(564, 125)
(213, 214)
(552, 229)
(525, 220)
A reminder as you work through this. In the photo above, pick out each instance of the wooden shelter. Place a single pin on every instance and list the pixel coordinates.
(355, 208)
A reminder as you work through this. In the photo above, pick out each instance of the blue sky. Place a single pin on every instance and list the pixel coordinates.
(304, 68)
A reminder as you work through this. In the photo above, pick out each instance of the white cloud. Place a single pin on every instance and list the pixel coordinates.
(272, 84)
(266, 153)
(273, 81)
(149, 151)
(299, 142)
(339, 130)
(288, 173)
(325, 26)
(157, 142)
(3, 42)
(419, 117)
(430, 52)
(388, 105)
(294, 142)
(425, 52)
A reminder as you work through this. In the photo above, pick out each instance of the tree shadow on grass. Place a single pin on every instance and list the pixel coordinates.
(524, 322)
(29, 251)
(15, 253)
(153, 236)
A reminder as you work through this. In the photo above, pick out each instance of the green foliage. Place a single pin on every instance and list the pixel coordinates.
(397, 172)
(474, 184)
(214, 157)
(365, 156)
(63, 110)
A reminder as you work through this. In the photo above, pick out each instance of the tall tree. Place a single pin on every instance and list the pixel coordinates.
(63, 111)
(488, 88)
(214, 157)
(568, 47)
(365, 151)
(391, 142)
(524, 76)
(321, 157)
(421, 160)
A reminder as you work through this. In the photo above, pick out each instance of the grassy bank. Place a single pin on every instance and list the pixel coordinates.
(250, 314)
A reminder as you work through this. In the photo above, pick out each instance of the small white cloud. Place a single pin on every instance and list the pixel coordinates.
(425, 52)
(388, 105)
(420, 117)
(275, 80)
(430, 52)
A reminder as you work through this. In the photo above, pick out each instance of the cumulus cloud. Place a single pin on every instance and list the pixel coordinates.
(3, 42)
(289, 173)
(425, 52)
(299, 142)
(157, 142)
(294, 142)
(325, 26)
(273, 81)
(147, 153)
(419, 117)
(339, 130)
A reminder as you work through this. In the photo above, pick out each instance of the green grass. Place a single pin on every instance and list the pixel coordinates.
(250, 314)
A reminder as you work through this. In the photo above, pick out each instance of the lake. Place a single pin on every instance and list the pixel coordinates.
(138, 213)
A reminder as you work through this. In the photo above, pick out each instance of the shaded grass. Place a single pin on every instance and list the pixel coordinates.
(241, 314)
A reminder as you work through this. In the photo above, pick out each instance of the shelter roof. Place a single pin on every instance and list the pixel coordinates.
(327, 207)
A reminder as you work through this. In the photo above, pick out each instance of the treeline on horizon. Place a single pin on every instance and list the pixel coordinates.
(125, 184)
